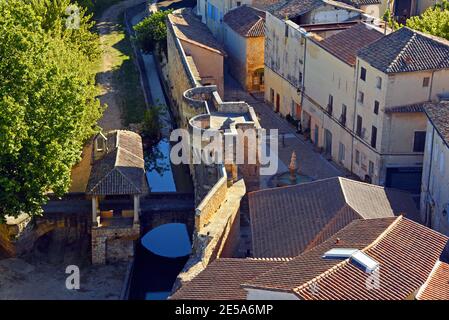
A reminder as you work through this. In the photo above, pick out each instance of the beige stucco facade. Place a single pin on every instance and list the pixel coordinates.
(284, 56)
(394, 143)
(435, 182)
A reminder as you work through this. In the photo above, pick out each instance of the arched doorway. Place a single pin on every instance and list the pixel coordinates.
(258, 80)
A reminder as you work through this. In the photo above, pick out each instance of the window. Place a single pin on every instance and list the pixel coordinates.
(371, 169)
(359, 126)
(357, 157)
(239, 3)
(341, 152)
(300, 78)
(330, 104)
(361, 97)
(425, 82)
(378, 82)
(373, 137)
(343, 114)
(363, 73)
(376, 107)
(419, 141)
(272, 96)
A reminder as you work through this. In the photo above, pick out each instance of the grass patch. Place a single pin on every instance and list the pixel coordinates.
(125, 76)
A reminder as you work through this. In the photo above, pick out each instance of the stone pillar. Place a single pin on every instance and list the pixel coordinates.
(136, 208)
(94, 211)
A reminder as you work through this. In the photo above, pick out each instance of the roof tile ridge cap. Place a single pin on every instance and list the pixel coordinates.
(429, 278)
(344, 262)
(321, 276)
(253, 26)
(412, 38)
(393, 225)
(277, 259)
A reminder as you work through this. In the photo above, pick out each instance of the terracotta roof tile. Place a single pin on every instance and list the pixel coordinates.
(438, 114)
(406, 254)
(437, 285)
(405, 250)
(345, 44)
(189, 28)
(410, 108)
(222, 278)
(294, 8)
(407, 50)
(246, 21)
(289, 220)
(121, 170)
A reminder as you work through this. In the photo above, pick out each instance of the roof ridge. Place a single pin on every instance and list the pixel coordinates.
(404, 48)
(429, 278)
(344, 262)
(254, 25)
(279, 259)
(291, 186)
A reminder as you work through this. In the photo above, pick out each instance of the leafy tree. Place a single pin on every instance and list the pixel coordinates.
(389, 19)
(434, 21)
(69, 21)
(151, 128)
(48, 105)
(152, 30)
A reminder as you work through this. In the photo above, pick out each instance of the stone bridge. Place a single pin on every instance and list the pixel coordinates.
(71, 218)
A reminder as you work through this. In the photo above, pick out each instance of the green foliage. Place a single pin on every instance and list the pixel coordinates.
(434, 20)
(48, 105)
(151, 126)
(152, 30)
(56, 15)
(388, 18)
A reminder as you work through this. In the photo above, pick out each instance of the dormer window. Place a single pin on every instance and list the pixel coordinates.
(99, 145)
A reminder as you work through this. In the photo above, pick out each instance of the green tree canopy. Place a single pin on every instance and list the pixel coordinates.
(48, 105)
(152, 30)
(434, 21)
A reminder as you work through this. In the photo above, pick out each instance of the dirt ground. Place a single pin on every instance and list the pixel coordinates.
(43, 280)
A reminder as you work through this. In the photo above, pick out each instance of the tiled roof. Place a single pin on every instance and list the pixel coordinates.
(189, 28)
(358, 3)
(438, 114)
(293, 8)
(121, 170)
(410, 108)
(221, 279)
(407, 50)
(406, 252)
(246, 21)
(437, 285)
(287, 221)
(345, 44)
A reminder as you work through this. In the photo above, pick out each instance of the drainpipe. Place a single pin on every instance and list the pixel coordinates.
(427, 218)
(431, 86)
(304, 76)
(355, 115)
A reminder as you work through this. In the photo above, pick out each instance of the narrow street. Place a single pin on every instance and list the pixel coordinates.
(309, 161)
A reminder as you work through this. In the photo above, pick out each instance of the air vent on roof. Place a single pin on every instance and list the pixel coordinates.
(364, 261)
(357, 257)
(339, 253)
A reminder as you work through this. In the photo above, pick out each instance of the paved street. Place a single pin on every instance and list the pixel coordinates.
(309, 161)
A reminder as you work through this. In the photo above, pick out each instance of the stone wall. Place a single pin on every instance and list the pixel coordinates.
(113, 244)
(18, 236)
